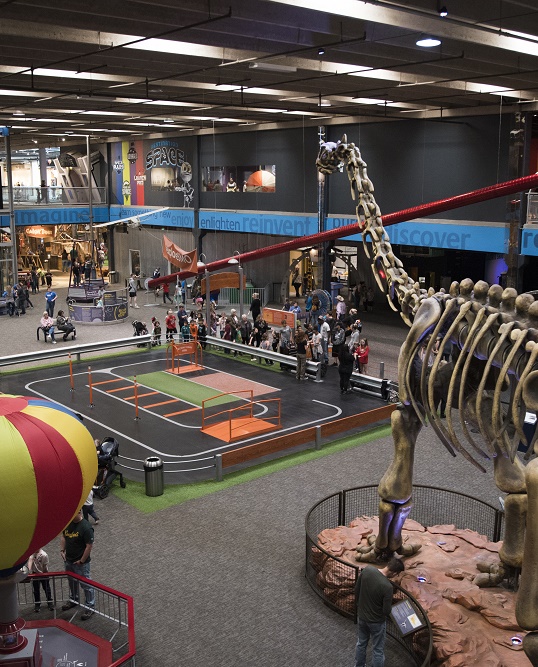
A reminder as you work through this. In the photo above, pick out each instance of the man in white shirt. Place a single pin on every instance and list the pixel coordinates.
(325, 331)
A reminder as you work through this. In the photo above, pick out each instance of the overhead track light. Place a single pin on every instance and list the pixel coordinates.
(427, 41)
(272, 67)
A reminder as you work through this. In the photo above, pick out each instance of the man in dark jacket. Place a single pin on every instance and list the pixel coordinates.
(373, 593)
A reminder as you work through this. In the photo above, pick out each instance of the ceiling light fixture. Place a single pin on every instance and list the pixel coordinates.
(427, 42)
(443, 12)
(272, 67)
(321, 51)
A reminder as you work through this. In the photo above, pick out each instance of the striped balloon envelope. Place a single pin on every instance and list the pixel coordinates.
(48, 464)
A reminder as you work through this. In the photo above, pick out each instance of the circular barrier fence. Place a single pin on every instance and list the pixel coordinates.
(431, 506)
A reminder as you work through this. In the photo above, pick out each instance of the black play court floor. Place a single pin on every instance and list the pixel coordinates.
(169, 427)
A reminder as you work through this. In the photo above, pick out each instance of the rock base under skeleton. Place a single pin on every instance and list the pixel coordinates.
(471, 625)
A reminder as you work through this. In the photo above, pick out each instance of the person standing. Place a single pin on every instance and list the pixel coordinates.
(65, 261)
(50, 300)
(339, 338)
(170, 324)
(341, 308)
(297, 282)
(373, 593)
(255, 306)
(76, 272)
(245, 327)
(38, 563)
(34, 279)
(132, 291)
(361, 354)
(325, 331)
(345, 368)
(76, 546)
(301, 340)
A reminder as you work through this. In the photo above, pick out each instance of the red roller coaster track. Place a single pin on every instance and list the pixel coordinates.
(482, 194)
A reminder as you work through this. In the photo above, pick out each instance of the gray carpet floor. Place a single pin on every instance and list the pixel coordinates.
(219, 581)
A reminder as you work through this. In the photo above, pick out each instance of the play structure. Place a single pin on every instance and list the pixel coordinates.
(183, 358)
(236, 423)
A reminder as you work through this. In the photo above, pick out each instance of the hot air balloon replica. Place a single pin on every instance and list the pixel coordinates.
(261, 181)
(48, 466)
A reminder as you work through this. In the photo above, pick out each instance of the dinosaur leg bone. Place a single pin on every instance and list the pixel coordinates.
(396, 485)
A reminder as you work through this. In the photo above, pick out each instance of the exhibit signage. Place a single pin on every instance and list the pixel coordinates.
(186, 261)
(34, 216)
(529, 241)
(406, 617)
(221, 280)
(274, 317)
(252, 222)
(448, 234)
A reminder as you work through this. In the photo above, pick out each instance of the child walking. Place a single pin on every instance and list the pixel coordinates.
(88, 510)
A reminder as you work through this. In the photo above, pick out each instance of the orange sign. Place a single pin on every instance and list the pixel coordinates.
(186, 261)
(221, 280)
(275, 317)
(38, 232)
(184, 348)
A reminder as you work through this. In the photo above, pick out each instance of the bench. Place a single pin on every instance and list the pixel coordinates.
(57, 333)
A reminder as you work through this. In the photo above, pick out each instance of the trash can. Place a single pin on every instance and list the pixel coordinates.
(113, 277)
(153, 475)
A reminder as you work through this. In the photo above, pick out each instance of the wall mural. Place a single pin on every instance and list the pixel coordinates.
(151, 173)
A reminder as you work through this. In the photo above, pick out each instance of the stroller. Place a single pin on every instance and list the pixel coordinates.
(140, 329)
(107, 452)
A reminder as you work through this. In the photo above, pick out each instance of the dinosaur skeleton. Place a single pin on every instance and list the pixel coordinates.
(493, 335)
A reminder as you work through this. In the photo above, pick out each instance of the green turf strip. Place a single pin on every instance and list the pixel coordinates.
(186, 390)
(175, 494)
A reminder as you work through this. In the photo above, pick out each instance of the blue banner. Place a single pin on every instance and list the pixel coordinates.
(281, 224)
(451, 236)
(529, 241)
(172, 217)
(65, 215)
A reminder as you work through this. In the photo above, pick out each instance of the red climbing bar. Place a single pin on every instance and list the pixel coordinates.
(473, 197)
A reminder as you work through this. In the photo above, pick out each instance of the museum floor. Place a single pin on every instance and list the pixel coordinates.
(219, 581)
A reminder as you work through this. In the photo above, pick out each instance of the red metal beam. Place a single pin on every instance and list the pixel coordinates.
(473, 197)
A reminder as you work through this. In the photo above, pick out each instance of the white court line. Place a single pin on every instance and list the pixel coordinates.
(87, 417)
(164, 455)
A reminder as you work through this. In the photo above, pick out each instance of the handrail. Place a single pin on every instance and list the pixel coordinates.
(227, 410)
(103, 608)
(313, 366)
(78, 350)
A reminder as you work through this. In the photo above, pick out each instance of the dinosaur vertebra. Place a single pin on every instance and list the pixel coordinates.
(494, 337)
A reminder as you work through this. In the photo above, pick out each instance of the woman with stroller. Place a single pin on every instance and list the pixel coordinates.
(63, 324)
